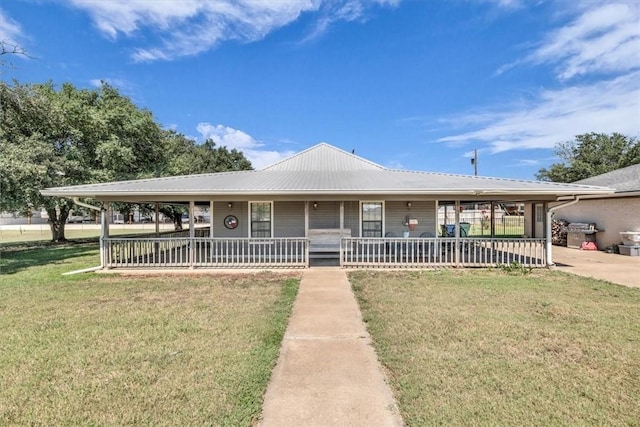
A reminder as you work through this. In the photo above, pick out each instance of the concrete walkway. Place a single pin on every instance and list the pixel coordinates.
(327, 373)
(615, 268)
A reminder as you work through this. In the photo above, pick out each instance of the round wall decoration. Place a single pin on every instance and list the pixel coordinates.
(230, 222)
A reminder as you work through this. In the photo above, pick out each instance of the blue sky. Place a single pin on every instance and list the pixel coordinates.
(405, 83)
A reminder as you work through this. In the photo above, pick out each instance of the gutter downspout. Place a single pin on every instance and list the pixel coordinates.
(77, 201)
(550, 212)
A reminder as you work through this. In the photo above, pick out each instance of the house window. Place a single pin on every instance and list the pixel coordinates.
(371, 219)
(260, 219)
(539, 213)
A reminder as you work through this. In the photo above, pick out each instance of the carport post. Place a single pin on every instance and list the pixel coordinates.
(547, 226)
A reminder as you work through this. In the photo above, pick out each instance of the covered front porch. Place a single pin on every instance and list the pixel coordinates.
(353, 252)
(387, 233)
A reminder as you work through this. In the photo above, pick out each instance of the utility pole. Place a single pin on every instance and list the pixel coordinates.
(474, 162)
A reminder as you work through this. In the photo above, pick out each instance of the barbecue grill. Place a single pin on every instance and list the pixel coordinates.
(579, 232)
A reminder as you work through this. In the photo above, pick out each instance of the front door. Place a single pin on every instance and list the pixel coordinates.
(538, 216)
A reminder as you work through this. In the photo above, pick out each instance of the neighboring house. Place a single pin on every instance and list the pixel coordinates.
(324, 203)
(612, 213)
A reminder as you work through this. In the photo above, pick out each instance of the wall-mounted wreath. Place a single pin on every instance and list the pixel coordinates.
(231, 222)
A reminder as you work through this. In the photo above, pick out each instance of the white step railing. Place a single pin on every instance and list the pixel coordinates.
(435, 252)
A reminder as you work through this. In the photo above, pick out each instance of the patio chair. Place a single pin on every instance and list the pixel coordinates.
(427, 248)
(390, 248)
(447, 230)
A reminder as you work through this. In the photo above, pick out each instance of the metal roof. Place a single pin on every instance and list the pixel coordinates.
(324, 169)
(622, 180)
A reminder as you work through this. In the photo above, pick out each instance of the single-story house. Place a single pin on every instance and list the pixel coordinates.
(327, 203)
(612, 213)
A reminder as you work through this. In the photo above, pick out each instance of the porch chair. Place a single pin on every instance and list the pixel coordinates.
(389, 247)
(428, 248)
(464, 229)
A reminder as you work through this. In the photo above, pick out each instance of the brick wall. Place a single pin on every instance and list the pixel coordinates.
(612, 215)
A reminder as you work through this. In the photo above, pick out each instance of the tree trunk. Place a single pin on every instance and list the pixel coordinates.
(57, 222)
(177, 221)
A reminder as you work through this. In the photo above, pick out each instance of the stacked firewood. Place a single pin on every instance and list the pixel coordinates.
(559, 232)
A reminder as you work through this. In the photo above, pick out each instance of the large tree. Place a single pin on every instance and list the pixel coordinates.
(183, 156)
(591, 154)
(51, 137)
(54, 137)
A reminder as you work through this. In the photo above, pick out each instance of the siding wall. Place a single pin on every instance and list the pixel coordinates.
(612, 215)
(220, 212)
(423, 211)
(352, 217)
(288, 218)
(326, 215)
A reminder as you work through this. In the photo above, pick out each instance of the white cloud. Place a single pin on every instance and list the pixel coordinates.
(555, 116)
(602, 39)
(190, 27)
(527, 162)
(507, 4)
(10, 31)
(233, 138)
(262, 158)
(228, 136)
(601, 45)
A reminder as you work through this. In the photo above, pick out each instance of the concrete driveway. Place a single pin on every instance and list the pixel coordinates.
(615, 268)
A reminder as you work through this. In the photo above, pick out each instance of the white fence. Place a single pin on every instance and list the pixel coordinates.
(204, 252)
(196, 252)
(435, 252)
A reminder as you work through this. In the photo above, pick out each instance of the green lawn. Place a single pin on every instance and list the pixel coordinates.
(485, 347)
(93, 349)
(9, 237)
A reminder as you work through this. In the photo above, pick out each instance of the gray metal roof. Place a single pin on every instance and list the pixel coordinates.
(622, 180)
(324, 169)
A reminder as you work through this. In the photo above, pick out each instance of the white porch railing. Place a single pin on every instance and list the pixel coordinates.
(205, 252)
(238, 253)
(164, 252)
(435, 252)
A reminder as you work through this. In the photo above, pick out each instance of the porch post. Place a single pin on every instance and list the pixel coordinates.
(437, 222)
(457, 231)
(104, 233)
(192, 233)
(210, 218)
(157, 217)
(306, 230)
(156, 244)
(547, 235)
(493, 220)
(306, 218)
(341, 229)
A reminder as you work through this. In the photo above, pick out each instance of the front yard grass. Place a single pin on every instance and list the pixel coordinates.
(43, 236)
(94, 349)
(485, 347)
